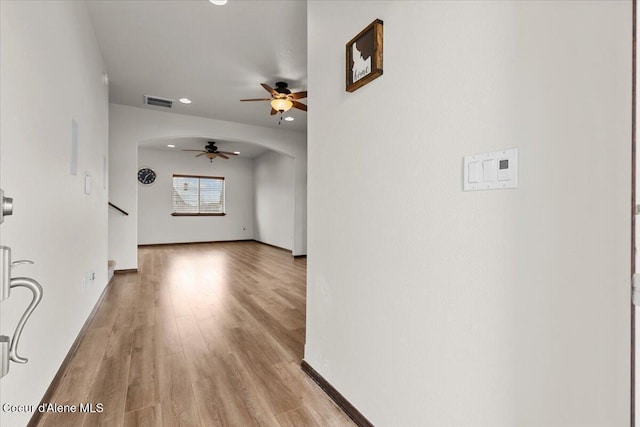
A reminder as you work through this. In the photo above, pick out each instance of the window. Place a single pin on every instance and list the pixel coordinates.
(198, 195)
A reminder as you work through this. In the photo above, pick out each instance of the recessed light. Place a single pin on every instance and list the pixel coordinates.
(171, 146)
(289, 118)
(236, 152)
(185, 100)
(218, 2)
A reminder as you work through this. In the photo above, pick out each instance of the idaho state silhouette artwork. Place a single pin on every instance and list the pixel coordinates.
(364, 56)
(361, 56)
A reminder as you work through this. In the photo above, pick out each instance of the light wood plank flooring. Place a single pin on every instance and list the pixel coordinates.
(203, 335)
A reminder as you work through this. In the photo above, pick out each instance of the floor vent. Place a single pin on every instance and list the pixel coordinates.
(158, 102)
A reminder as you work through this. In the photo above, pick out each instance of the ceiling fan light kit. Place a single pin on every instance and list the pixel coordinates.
(211, 152)
(281, 105)
(282, 99)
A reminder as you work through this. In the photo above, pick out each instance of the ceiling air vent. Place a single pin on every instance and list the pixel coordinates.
(158, 102)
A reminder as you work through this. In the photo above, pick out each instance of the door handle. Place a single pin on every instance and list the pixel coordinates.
(6, 268)
(9, 347)
(36, 289)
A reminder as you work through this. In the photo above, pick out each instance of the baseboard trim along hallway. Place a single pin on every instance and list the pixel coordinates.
(335, 395)
(127, 271)
(48, 395)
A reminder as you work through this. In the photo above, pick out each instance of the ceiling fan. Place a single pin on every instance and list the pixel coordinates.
(281, 98)
(211, 151)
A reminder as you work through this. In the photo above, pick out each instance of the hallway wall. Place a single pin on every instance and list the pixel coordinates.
(432, 306)
(50, 74)
(274, 199)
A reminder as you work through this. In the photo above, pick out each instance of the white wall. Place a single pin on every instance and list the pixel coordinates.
(637, 243)
(274, 199)
(430, 306)
(155, 223)
(130, 125)
(51, 73)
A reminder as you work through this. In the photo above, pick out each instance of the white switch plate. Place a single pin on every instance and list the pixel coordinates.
(474, 171)
(491, 171)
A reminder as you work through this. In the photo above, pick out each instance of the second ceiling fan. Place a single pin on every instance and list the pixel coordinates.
(211, 151)
(281, 98)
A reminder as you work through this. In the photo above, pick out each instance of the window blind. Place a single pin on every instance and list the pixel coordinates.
(194, 195)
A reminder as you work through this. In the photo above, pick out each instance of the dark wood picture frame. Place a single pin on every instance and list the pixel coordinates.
(368, 65)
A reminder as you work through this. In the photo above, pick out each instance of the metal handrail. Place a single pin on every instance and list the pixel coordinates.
(118, 209)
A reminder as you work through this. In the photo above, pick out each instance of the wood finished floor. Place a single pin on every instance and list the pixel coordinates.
(203, 335)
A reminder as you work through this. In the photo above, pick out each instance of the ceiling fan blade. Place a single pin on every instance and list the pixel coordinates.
(299, 95)
(201, 154)
(269, 89)
(299, 106)
(257, 99)
(193, 150)
(222, 155)
(273, 111)
(228, 153)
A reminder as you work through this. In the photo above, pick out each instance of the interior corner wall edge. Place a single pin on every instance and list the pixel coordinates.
(431, 306)
(50, 74)
(130, 125)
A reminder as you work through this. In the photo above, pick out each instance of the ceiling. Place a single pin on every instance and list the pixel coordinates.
(247, 150)
(213, 55)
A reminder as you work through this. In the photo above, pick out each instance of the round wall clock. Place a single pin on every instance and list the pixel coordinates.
(146, 176)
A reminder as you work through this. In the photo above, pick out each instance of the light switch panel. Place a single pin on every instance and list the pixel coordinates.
(491, 171)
